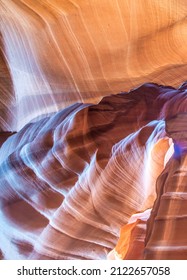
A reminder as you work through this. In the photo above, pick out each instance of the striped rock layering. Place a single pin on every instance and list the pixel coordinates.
(98, 181)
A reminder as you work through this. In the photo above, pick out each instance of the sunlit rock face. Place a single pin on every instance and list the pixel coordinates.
(169, 211)
(55, 53)
(97, 168)
(98, 181)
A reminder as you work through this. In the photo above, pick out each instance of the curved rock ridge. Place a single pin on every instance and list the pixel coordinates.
(131, 243)
(56, 53)
(70, 181)
(166, 238)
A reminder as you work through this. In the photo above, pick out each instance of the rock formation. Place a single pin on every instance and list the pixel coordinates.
(57, 53)
(69, 182)
(95, 92)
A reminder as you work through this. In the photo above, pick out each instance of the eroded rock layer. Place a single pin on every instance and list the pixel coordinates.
(56, 53)
(70, 181)
(166, 232)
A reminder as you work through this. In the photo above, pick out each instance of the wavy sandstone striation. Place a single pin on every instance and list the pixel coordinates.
(57, 53)
(71, 181)
(166, 238)
(131, 243)
(92, 174)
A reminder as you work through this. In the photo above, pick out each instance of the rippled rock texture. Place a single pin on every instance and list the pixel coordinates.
(92, 174)
(55, 53)
(74, 182)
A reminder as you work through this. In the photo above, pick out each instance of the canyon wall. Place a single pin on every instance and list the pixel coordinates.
(55, 53)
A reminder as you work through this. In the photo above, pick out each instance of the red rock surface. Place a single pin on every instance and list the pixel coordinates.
(86, 163)
(69, 182)
(56, 53)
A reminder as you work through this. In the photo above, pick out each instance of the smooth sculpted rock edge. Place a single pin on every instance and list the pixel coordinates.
(71, 181)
